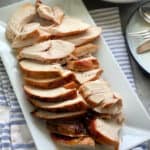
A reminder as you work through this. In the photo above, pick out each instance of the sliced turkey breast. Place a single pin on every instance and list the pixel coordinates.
(19, 18)
(41, 114)
(83, 77)
(104, 101)
(42, 21)
(49, 83)
(95, 87)
(99, 95)
(37, 47)
(67, 27)
(90, 35)
(37, 70)
(50, 95)
(69, 105)
(86, 142)
(95, 99)
(114, 106)
(83, 64)
(110, 102)
(118, 118)
(85, 50)
(49, 51)
(54, 14)
(28, 31)
(105, 131)
(30, 26)
(72, 128)
(31, 37)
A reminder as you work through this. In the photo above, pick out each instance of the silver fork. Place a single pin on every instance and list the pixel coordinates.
(145, 34)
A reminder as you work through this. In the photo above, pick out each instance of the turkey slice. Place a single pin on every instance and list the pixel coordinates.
(90, 35)
(19, 18)
(48, 51)
(54, 14)
(68, 26)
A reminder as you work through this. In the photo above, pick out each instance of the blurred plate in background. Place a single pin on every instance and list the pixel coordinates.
(136, 23)
(121, 1)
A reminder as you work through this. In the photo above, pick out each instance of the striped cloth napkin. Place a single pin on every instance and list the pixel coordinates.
(14, 134)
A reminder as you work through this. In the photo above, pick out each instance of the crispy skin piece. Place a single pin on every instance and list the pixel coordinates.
(38, 70)
(50, 95)
(48, 51)
(84, 64)
(54, 14)
(105, 131)
(69, 105)
(19, 18)
(80, 142)
(67, 128)
(71, 85)
(51, 82)
(91, 34)
(85, 50)
(45, 115)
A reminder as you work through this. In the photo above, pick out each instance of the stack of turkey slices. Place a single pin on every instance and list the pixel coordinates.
(62, 78)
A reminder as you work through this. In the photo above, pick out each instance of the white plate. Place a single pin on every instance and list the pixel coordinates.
(121, 1)
(136, 23)
(137, 127)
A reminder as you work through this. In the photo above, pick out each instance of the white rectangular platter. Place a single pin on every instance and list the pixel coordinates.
(137, 125)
